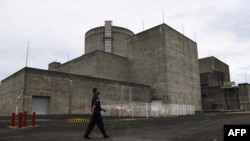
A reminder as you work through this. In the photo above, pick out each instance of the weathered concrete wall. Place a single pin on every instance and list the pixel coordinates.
(71, 93)
(95, 40)
(211, 63)
(213, 98)
(182, 69)
(168, 61)
(11, 93)
(217, 98)
(54, 66)
(212, 79)
(244, 96)
(111, 66)
(48, 84)
(232, 98)
(120, 35)
(98, 64)
(83, 65)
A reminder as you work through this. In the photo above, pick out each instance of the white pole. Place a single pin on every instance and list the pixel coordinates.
(165, 111)
(249, 77)
(129, 94)
(68, 55)
(16, 110)
(142, 25)
(119, 112)
(182, 29)
(27, 54)
(246, 77)
(194, 37)
(147, 110)
(163, 16)
(132, 110)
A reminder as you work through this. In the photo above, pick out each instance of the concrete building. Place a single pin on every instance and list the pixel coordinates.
(152, 72)
(218, 92)
(244, 96)
(213, 72)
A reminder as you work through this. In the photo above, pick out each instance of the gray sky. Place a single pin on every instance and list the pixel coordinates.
(55, 29)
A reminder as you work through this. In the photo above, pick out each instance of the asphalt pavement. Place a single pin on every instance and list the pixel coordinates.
(205, 127)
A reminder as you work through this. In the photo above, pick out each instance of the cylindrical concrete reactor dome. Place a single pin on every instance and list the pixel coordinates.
(107, 38)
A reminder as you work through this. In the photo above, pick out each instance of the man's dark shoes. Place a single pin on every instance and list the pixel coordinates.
(87, 137)
(107, 136)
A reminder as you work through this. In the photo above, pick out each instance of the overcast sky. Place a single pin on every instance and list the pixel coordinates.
(55, 29)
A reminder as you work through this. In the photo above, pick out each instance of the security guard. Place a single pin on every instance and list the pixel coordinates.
(96, 117)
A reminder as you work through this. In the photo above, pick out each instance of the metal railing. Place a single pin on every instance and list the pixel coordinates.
(148, 110)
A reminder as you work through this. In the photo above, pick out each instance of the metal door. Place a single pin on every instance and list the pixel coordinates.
(40, 105)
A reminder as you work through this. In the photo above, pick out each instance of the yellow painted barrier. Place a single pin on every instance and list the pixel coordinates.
(78, 120)
(16, 127)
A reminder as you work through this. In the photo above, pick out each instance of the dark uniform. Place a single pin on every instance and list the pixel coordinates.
(96, 118)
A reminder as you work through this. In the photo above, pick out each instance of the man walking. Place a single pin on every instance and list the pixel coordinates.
(96, 117)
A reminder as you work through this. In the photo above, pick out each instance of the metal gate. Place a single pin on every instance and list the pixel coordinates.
(40, 105)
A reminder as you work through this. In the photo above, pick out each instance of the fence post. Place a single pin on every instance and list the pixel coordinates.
(13, 116)
(33, 119)
(24, 119)
(20, 120)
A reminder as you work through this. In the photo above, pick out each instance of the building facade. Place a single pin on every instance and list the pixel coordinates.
(217, 91)
(157, 69)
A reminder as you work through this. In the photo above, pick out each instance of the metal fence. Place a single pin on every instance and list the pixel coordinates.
(148, 110)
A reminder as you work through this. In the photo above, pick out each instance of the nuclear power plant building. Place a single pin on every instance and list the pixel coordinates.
(218, 92)
(155, 72)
